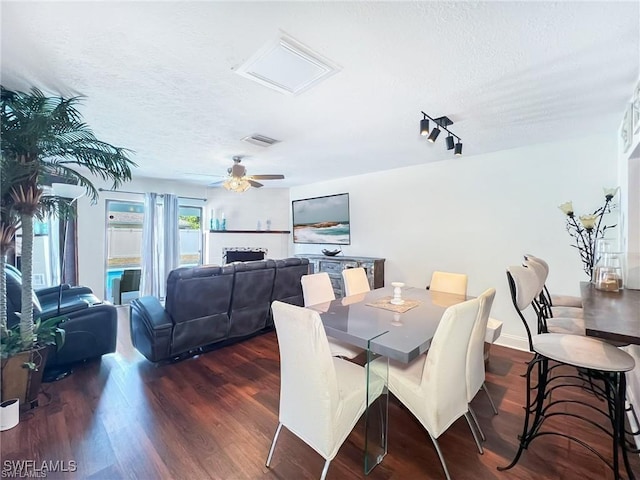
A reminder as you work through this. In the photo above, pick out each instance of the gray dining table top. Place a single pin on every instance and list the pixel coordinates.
(400, 336)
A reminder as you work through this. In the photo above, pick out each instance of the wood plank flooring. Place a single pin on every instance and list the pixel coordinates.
(213, 417)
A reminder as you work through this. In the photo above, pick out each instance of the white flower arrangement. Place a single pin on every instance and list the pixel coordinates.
(589, 228)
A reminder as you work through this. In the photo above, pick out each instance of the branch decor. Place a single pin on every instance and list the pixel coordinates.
(585, 229)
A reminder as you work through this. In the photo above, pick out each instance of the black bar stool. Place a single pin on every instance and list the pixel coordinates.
(599, 360)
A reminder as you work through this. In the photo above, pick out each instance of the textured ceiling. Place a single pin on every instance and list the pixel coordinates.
(159, 78)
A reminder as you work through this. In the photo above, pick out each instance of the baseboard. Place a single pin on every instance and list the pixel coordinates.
(513, 341)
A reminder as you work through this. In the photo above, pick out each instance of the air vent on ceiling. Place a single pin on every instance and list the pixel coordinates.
(260, 140)
(287, 66)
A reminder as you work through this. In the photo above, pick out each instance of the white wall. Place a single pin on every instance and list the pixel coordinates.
(477, 215)
(242, 212)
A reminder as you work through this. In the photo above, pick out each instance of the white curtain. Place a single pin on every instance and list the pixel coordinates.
(171, 237)
(160, 243)
(151, 281)
(54, 268)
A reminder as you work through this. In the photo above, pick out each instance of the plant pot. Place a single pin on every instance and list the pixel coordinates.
(21, 382)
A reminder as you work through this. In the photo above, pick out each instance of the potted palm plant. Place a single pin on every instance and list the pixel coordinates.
(43, 137)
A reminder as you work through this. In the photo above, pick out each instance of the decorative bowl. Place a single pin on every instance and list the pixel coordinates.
(331, 253)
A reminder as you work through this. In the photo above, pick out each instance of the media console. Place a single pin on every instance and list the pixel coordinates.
(335, 265)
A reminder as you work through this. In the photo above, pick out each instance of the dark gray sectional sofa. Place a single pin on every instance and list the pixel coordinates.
(208, 305)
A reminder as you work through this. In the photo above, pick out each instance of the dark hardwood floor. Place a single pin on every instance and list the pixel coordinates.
(213, 417)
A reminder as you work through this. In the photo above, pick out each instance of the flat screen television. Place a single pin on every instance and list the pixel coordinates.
(322, 220)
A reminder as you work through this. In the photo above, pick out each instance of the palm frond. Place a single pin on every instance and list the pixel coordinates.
(44, 134)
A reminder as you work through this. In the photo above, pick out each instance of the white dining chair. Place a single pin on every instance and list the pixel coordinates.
(433, 386)
(317, 289)
(355, 281)
(456, 283)
(449, 282)
(321, 397)
(475, 371)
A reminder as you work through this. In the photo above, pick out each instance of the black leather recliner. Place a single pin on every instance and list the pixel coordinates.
(90, 326)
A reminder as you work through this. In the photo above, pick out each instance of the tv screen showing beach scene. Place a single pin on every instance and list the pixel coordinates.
(322, 220)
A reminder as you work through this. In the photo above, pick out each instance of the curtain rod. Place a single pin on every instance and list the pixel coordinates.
(142, 193)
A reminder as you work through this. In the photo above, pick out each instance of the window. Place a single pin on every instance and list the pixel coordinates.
(190, 225)
(124, 238)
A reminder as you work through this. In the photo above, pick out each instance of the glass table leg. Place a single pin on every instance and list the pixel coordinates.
(376, 414)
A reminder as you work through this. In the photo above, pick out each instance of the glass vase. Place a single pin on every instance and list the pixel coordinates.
(608, 272)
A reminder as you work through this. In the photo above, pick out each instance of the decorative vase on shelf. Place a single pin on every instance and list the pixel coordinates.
(213, 221)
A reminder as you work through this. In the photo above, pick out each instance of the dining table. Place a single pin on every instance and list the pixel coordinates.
(400, 332)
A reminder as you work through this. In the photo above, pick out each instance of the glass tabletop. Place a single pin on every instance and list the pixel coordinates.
(401, 336)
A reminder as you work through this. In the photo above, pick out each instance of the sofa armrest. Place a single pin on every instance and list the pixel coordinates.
(89, 333)
(151, 328)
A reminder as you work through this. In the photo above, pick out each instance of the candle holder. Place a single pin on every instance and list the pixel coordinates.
(397, 293)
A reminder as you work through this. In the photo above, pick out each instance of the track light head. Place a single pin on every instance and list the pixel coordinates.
(424, 127)
(433, 135)
(458, 150)
(449, 142)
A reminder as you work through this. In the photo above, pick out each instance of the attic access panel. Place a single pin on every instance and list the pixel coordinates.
(287, 66)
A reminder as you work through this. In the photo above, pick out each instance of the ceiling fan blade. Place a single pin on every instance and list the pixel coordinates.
(254, 183)
(268, 177)
(217, 183)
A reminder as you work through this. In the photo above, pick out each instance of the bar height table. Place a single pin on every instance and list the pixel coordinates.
(611, 316)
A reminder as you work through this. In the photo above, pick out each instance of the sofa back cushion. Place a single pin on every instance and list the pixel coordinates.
(287, 287)
(198, 302)
(251, 300)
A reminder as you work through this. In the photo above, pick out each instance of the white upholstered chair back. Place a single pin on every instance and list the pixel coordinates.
(309, 395)
(449, 282)
(444, 391)
(317, 288)
(355, 281)
(475, 355)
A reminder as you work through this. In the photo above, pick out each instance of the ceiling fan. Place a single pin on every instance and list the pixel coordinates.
(239, 181)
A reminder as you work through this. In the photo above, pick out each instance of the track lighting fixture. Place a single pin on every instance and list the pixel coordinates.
(450, 142)
(440, 123)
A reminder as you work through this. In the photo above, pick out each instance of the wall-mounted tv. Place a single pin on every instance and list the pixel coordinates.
(322, 220)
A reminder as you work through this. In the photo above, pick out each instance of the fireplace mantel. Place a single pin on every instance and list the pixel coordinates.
(274, 242)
